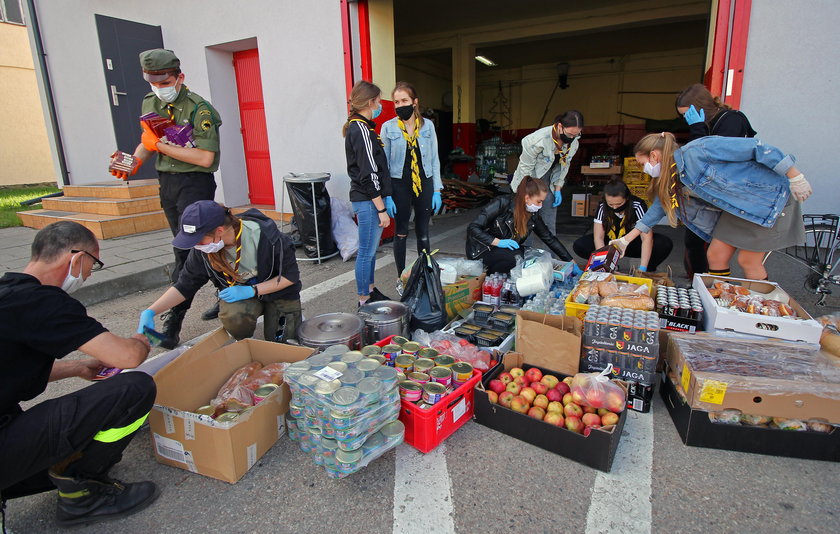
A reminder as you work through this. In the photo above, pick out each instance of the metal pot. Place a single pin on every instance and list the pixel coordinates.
(329, 329)
(382, 319)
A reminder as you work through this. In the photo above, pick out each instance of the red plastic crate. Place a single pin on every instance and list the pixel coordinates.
(426, 429)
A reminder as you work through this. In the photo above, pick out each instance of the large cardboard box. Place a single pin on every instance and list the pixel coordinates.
(224, 451)
(758, 377)
(596, 450)
(550, 341)
(462, 294)
(804, 328)
(580, 204)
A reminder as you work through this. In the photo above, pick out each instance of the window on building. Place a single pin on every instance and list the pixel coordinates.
(11, 11)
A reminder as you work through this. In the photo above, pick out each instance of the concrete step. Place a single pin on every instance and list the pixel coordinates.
(267, 209)
(103, 206)
(114, 189)
(102, 225)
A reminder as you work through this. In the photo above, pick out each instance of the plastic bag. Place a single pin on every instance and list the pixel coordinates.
(232, 389)
(534, 274)
(307, 216)
(344, 229)
(458, 348)
(598, 391)
(424, 295)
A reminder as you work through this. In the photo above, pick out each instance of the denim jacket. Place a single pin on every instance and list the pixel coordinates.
(538, 156)
(395, 144)
(742, 176)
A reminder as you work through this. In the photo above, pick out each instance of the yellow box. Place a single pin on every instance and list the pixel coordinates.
(639, 190)
(573, 309)
(630, 164)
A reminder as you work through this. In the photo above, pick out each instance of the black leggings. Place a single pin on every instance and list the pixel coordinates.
(695, 254)
(404, 199)
(662, 245)
(501, 260)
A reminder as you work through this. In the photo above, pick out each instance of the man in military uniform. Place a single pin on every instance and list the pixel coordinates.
(186, 173)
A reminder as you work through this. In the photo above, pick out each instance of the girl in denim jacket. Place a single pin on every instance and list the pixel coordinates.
(741, 176)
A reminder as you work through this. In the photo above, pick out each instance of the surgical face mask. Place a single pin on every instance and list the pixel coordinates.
(167, 94)
(211, 248)
(72, 283)
(376, 111)
(404, 112)
(653, 170)
(532, 208)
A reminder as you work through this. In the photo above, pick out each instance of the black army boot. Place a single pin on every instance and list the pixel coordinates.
(91, 500)
(172, 327)
(211, 313)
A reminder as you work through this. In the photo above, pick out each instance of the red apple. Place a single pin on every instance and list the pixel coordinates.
(572, 409)
(536, 412)
(529, 394)
(505, 397)
(563, 388)
(497, 385)
(539, 387)
(516, 371)
(602, 411)
(493, 397)
(589, 409)
(590, 419)
(554, 395)
(506, 378)
(533, 374)
(519, 404)
(568, 381)
(589, 429)
(609, 419)
(555, 406)
(555, 418)
(577, 397)
(574, 424)
(550, 381)
(514, 388)
(595, 398)
(541, 401)
(521, 381)
(567, 399)
(615, 402)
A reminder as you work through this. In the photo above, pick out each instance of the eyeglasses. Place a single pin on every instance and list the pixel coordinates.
(97, 263)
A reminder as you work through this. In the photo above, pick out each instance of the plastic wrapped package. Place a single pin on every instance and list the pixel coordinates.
(598, 391)
(534, 274)
(458, 348)
(344, 228)
(229, 388)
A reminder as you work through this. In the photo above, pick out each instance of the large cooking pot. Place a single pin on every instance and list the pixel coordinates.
(382, 319)
(328, 329)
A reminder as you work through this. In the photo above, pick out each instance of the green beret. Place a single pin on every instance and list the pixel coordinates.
(157, 60)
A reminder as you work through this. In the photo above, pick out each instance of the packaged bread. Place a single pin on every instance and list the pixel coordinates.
(633, 301)
(606, 289)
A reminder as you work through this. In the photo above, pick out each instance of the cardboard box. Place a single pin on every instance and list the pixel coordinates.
(461, 295)
(631, 360)
(696, 429)
(640, 396)
(580, 204)
(596, 450)
(224, 451)
(603, 260)
(758, 377)
(804, 328)
(550, 341)
(592, 205)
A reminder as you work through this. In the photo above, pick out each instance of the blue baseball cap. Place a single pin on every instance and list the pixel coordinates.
(199, 219)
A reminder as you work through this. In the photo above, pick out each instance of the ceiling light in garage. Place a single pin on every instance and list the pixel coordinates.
(485, 61)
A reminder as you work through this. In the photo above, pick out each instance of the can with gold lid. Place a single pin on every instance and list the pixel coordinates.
(380, 358)
(352, 356)
(422, 365)
(461, 372)
(348, 460)
(387, 375)
(444, 360)
(393, 431)
(411, 347)
(404, 363)
(442, 375)
(433, 392)
(427, 352)
(411, 391)
(369, 350)
(338, 366)
(369, 389)
(399, 340)
(420, 378)
(227, 417)
(205, 410)
(391, 351)
(264, 391)
(367, 365)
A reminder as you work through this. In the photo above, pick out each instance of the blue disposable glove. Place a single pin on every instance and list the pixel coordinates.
(508, 243)
(147, 320)
(576, 271)
(558, 199)
(437, 201)
(236, 293)
(390, 207)
(692, 116)
(642, 268)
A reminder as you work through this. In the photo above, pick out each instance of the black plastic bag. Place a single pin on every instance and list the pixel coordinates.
(307, 216)
(423, 295)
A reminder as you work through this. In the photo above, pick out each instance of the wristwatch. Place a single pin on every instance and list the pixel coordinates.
(383, 210)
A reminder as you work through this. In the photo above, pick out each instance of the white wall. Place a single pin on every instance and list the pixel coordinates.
(301, 59)
(791, 85)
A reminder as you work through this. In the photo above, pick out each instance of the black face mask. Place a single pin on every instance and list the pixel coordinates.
(619, 210)
(566, 139)
(404, 112)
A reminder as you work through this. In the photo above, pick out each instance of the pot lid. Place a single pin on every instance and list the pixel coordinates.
(383, 310)
(330, 327)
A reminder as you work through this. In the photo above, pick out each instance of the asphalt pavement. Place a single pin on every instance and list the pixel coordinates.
(477, 480)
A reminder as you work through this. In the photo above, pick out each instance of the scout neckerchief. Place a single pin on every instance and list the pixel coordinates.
(616, 232)
(170, 110)
(231, 280)
(562, 148)
(674, 177)
(411, 141)
(366, 123)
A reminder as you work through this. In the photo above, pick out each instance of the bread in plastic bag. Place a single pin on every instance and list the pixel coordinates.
(598, 391)
(633, 301)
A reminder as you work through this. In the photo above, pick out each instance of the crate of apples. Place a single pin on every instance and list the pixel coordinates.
(547, 398)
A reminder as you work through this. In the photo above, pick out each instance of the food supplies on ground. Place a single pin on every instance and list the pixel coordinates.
(238, 393)
(458, 347)
(607, 289)
(534, 274)
(736, 297)
(344, 409)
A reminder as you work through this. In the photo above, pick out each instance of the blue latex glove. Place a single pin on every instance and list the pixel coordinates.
(437, 201)
(508, 243)
(390, 207)
(237, 293)
(576, 271)
(642, 268)
(147, 320)
(558, 199)
(693, 117)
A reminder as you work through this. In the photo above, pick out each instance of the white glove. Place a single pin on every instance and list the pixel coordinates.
(800, 188)
(621, 244)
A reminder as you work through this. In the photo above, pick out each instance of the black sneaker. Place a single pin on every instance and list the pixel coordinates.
(376, 296)
(211, 313)
(83, 501)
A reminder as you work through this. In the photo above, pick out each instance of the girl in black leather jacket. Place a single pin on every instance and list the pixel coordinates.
(497, 234)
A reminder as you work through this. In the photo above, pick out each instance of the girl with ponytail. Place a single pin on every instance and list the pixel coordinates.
(754, 182)
(497, 235)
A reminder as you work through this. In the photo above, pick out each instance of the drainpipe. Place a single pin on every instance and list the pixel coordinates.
(42, 63)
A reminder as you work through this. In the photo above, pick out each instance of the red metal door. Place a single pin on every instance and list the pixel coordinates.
(246, 65)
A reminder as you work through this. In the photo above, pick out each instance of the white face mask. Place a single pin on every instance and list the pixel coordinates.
(72, 283)
(653, 170)
(532, 208)
(167, 94)
(211, 248)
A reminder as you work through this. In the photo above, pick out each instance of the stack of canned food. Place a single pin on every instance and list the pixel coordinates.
(611, 323)
(344, 409)
(679, 302)
(427, 377)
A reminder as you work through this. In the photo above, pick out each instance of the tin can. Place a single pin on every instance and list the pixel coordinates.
(327, 388)
(351, 377)
(400, 376)
(393, 431)
(433, 392)
(442, 375)
(444, 360)
(338, 366)
(205, 410)
(399, 340)
(227, 417)
(625, 360)
(340, 419)
(404, 363)
(351, 357)
(367, 365)
(374, 442)
(411, 391)
(411, 347)
(264, 391)
(345, 396)
(329, 447)
(427, 352)
(380, 358)
(328, 430)
(422, 365)
(369, 389)
(461, 372)
(386, 375)
(348, 460)
(318, 361)
(420, 378)
(391, 351)
(369, 350)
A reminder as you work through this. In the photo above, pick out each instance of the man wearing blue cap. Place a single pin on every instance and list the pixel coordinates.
(185, 172)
